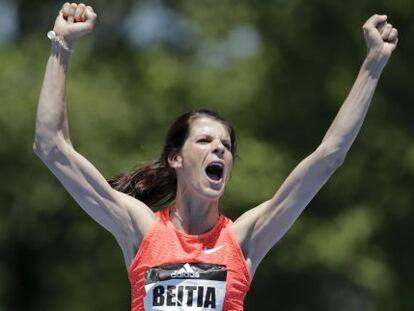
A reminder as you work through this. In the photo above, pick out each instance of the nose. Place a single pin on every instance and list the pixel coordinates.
(219, 149)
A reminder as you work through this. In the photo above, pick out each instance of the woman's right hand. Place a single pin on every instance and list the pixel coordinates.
(74, 21)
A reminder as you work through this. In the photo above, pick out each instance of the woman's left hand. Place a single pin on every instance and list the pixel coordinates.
(381, 37)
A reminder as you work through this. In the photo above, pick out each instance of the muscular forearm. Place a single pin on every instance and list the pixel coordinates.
(51, 114)
(351, 115)
(381, 38)
(73, 21)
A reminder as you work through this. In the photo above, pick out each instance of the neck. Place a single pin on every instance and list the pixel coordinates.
(193, 215)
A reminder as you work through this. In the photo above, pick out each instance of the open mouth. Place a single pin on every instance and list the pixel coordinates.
(215, 171)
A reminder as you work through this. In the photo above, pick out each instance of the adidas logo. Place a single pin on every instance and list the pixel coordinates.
(185, 272)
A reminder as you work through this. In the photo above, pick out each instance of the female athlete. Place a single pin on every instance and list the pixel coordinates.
(188, 256)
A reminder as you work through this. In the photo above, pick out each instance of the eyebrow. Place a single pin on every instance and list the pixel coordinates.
(210, 136)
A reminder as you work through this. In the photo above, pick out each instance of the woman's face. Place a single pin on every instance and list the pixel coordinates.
(204, 164)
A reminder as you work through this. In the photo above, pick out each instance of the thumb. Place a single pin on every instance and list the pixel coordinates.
(60, 19)
(60, 24)
(374, 23)
(79, 29)
(60, 16)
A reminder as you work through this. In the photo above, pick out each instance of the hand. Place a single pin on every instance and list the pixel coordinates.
(74, 21)
(380, 36)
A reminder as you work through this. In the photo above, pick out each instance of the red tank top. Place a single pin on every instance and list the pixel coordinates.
(177, 271)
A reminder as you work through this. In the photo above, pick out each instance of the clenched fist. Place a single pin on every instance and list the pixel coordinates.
(74, 21)
(380, 36)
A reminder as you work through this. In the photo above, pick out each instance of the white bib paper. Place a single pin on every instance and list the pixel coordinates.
(185, 287)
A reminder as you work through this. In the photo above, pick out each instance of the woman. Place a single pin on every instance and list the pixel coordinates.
(188, 256)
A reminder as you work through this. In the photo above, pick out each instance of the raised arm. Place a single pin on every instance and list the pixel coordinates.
(125, 217)
(260, 228)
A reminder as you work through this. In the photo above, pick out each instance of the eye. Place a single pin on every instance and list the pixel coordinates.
(227, 145)
(204, 140)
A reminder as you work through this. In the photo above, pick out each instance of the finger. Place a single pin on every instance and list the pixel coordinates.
(90, 14)
(395, 42)
(381, 26)
(386, 32)
(90, 17)
(374, 22)
(65, 10)
(393, 36)
(81, 28)
(72, 10)
(83, 17)
(79, 12)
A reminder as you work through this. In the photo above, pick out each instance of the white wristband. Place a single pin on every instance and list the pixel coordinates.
(55, 38)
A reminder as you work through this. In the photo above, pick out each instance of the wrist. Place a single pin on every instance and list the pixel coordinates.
(374, 63)
(375, 56)
(60, 40)
(58, 49)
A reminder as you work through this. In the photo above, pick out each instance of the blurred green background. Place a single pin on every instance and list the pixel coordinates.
(279, 70)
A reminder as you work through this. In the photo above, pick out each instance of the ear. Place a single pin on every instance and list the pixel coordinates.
(175, 160)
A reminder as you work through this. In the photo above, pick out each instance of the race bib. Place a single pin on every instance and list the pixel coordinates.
(185, 287)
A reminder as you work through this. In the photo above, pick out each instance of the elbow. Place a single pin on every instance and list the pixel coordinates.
(35, 148)
(333, 156)
(37, 144)
(337, 162)
(44, 146)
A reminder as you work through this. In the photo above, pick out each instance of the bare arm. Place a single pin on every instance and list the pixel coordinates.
(260, 228)
(125, 217)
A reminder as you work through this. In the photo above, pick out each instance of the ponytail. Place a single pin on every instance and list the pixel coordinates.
(153, 183)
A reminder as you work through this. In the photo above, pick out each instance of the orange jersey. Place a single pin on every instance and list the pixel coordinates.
(177, 271)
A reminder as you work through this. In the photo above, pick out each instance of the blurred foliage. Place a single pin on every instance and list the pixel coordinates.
(352, 248)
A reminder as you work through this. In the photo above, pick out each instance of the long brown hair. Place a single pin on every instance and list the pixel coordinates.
(155, 182)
